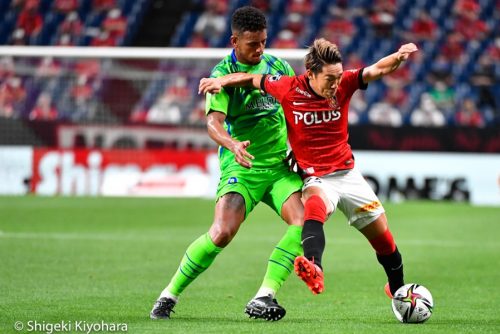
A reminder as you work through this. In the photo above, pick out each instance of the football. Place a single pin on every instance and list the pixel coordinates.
(412, 303)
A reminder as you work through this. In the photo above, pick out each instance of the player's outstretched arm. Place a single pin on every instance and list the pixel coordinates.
(389, 63)
(216, 131)
(214, 85)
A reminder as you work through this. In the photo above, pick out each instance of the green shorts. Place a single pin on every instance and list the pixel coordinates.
(271, 186)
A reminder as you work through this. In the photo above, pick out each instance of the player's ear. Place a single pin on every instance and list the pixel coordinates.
(234, 40)
(309, 74)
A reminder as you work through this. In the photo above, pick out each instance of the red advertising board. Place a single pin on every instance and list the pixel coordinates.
(123, 172)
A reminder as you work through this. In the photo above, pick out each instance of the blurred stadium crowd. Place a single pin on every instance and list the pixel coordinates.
(453, 81)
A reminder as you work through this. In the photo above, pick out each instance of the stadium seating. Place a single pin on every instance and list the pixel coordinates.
(375, 28)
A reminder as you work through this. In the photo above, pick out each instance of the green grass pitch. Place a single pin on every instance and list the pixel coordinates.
(107, 259)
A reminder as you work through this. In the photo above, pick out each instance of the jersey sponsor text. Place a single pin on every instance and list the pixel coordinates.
(316, 117)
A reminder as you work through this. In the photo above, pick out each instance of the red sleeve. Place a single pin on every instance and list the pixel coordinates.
(276, 85)
(353, 80)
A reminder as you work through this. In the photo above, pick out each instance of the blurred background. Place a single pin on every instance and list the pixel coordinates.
(98, 122)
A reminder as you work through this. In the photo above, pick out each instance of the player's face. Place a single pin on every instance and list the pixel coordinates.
(249, 46)
(326, 82)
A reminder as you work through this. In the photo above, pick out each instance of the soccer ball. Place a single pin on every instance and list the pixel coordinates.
(412, 303)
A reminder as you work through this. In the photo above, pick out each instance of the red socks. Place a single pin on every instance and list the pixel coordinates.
(384, 243)
(315, 209)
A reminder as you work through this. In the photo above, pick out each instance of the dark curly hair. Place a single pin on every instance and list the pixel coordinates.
(248, 19)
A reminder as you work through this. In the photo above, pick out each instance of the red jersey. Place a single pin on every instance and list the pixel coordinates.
(317, 127)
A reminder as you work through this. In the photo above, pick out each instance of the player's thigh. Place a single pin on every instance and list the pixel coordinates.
(358, 202)
(283, 195)
(248, 183)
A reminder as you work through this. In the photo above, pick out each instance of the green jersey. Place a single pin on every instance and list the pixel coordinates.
(251, 115)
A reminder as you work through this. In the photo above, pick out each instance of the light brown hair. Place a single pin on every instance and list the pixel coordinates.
(321, 53)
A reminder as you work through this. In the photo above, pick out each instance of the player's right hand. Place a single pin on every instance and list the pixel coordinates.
(241, 154)
(209, 85)
(405, 51)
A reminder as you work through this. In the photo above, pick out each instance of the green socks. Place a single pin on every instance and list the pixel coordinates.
(199, 256)
(280, 263)
(202, 252)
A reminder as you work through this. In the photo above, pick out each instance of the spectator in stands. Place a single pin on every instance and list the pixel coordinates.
(72, 25)
(138, 115)
(339, 29)
(470, 27)
(443, 96)
(384, 113)
(165, 110)
(342, 8)
(389, 6)
(397, 97)
(304, 7)
(30, 20)
(295, 23)
(65, 6)
(494, 48)
(81, 95)
(483, 80)
(453, 49)
(171, 105)
(212, 22)
(65, 40)
(400, 80)
(353, 60)
(17, 5)
(427, 114)
(357, 107)
(382, 20)
(180, 91)
(285, 40)
(7, 68)
(440, 69)
(197, 41)
(423, 28)
(18, 37)
(48, 68)
(103, 38)
(12, 94)
(462, 8)
(103, 5)
(115, 24)
(88, 68)
(198, 116)
(31, 4)
(469, 115)
(263, 5)
(44, 110)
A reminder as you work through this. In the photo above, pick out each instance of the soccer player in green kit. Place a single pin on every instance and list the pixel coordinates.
(251, 131)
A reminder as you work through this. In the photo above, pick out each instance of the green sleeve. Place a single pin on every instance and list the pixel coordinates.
(217, 102)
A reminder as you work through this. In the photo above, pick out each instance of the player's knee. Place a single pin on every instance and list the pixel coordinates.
(222, 232)
(229, 214)
(221, 238)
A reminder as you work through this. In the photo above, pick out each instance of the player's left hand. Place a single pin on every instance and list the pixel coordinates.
(209, 85)
(405, 51)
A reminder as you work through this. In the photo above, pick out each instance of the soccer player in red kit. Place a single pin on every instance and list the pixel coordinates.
(316, 107)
